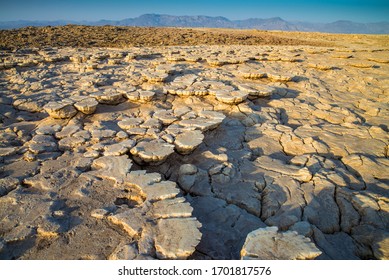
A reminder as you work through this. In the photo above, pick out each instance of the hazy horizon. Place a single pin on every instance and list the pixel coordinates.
(302, 10)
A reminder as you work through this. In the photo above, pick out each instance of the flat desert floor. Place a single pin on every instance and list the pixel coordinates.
(168, 143)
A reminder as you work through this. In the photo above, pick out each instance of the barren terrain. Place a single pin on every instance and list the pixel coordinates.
(159, 143)
(121, 37)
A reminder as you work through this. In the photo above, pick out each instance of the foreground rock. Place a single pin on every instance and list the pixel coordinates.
(188, 141)
(168, 244)
(231, 97)
(60, 110)
(269, 244)
(152, 152)
(87, 106)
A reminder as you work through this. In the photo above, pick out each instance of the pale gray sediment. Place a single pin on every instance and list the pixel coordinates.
(197, 152)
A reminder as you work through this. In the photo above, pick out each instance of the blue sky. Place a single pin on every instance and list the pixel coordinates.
(304, 10)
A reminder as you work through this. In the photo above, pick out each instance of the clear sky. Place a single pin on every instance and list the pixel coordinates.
(303, 10)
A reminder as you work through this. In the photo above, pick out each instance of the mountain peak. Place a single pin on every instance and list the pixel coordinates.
(277, 19)
(274, 23)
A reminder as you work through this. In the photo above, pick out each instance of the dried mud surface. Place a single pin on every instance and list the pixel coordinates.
(112, 36)
(217, 151)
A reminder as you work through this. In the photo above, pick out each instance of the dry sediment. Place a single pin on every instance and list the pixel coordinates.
(194, 152)
(119, 37)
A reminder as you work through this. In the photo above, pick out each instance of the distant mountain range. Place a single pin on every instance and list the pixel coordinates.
(276, 23)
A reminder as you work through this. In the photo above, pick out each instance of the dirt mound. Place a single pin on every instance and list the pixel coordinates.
(113, 36)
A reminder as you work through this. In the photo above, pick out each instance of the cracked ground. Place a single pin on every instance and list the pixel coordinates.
(184, 151)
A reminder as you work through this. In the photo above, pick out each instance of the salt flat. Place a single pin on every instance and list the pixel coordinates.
(204, 152)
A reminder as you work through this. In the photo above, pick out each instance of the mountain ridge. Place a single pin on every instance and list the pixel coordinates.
(274, 23)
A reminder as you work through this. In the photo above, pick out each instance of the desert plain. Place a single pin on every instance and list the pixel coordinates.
(172, 143)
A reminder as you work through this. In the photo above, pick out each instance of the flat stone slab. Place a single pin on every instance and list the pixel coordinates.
(203, 124)
(7, 151)
(130, 221)
(67, 131)
(257, 90)
(213, 115)
(250, 73)
(114, 168)
(321, 66)
(188, 141)
(161, 190)
(155, 77)
(48, 129)
(277, 77)
(109, 97)
(7, 185)
(43, 143)
(141, 96)
(165, 116)
(231, 97)
(301, 174)
(120, 148)
(60, 110)
(153, 151)
(171, 244)
(87, 106)
(171, 208)
(130, 123)
(269, 244)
